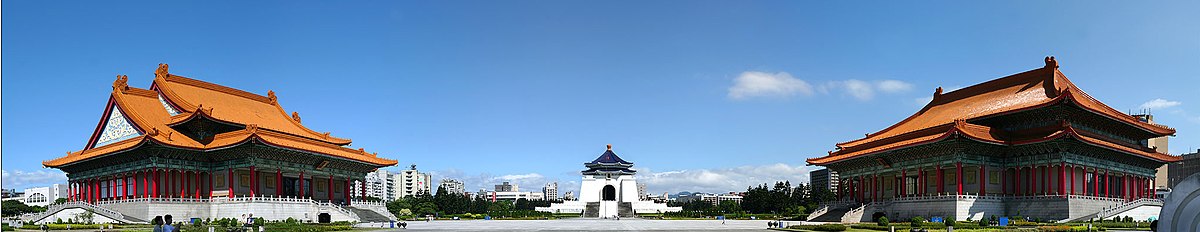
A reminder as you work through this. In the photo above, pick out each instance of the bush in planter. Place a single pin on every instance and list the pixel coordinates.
(949, 221)
(883, 221)
(984, 222)
(915, 222)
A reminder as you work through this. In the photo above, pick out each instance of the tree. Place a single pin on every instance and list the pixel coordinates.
(60, 200)
(14, 208)
(730, 207)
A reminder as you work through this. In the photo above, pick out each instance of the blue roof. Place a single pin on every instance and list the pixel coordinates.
(609, 158)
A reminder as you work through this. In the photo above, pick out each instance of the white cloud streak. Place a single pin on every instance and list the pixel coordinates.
(734, 179)
(18, 179)
(1160, 103)
(760, 84)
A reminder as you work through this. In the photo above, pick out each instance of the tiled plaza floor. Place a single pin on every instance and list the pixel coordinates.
(588, 225)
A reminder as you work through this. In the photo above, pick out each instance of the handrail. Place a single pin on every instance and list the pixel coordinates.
(1117, 209)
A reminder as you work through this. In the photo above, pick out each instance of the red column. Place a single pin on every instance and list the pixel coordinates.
(920, 182)
(278, 182)
(329, 189)
(1107, 184)
(1029, 190)
(301, 184)
(253, 182)
(1046, 180)
(230, 183)
(185, 176)
(199, 184)
(1004, 182)
(982, 180)
(903, 182)
(1096, 182)
(112, 188)
(1062, 179)
(346, 192)
(941, 180)
(210, 184)
(362, 189)
(1072, 180)
(958, 177)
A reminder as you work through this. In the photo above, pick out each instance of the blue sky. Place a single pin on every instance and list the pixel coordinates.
(702, 95)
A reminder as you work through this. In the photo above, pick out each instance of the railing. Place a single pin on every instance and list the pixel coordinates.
(857, 211)
(340, 209)
(55, 208)
(1116, 209)
(371, 203)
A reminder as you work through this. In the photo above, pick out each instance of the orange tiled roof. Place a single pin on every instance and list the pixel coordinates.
(1023, 91)
(264, 121)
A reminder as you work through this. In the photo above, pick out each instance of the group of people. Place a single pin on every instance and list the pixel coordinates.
(164, 224)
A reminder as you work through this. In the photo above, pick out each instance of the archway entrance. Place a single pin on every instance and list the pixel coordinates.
(609, 193)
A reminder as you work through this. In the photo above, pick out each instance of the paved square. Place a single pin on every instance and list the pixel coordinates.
(588, 225)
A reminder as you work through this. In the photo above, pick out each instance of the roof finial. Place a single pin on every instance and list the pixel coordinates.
(296, 116)
(161, 72)
(937, 92)
(610, 147)
(271, 96)
(1051, 63)
(122, 83)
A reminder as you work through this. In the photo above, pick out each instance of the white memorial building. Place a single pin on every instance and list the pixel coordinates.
(608, 190)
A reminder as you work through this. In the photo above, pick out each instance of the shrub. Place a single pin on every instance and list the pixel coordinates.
(916, 222)
(883, 221)
(1062, 228)
(825, 227)
(949, 221)
(984, 222)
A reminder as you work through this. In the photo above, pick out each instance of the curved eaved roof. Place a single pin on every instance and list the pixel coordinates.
(262, 118)
(1019, 92)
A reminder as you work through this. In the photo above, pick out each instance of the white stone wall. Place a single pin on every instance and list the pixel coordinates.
(72, 214)
(1142, 213)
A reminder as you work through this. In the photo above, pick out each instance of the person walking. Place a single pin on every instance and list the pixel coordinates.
(167, 227)
(157, 223)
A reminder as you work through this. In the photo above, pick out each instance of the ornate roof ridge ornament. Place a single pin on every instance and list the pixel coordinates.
(271, 96)
(121, 84)
(296, 116)
(1051, 63)
(162, 72)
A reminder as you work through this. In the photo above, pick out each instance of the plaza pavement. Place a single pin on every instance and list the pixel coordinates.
(583, 225)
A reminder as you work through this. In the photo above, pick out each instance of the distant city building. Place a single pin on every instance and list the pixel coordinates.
(711, 198)
(1159, 144)
(551, 191)
(452, 186)
(664, 198)
(495, 196)
(412, 182)
(823, 179)
(569, 196)
(1190, 165)
(43, 196)
(378, 184)
(506, 187)
(641, 190)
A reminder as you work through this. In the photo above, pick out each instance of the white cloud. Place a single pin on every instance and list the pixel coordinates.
(18, 179)
(528, 182)
(864, 90)
(1160, 104)
(893, 86)
(721, 180)
(922, 101)
(760, 84)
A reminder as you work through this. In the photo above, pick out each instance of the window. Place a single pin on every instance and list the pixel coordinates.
(994, 177)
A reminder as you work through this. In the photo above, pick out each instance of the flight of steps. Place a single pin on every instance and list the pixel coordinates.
(592, 210)
(368, 215)
(833, 215)
(625, 210)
